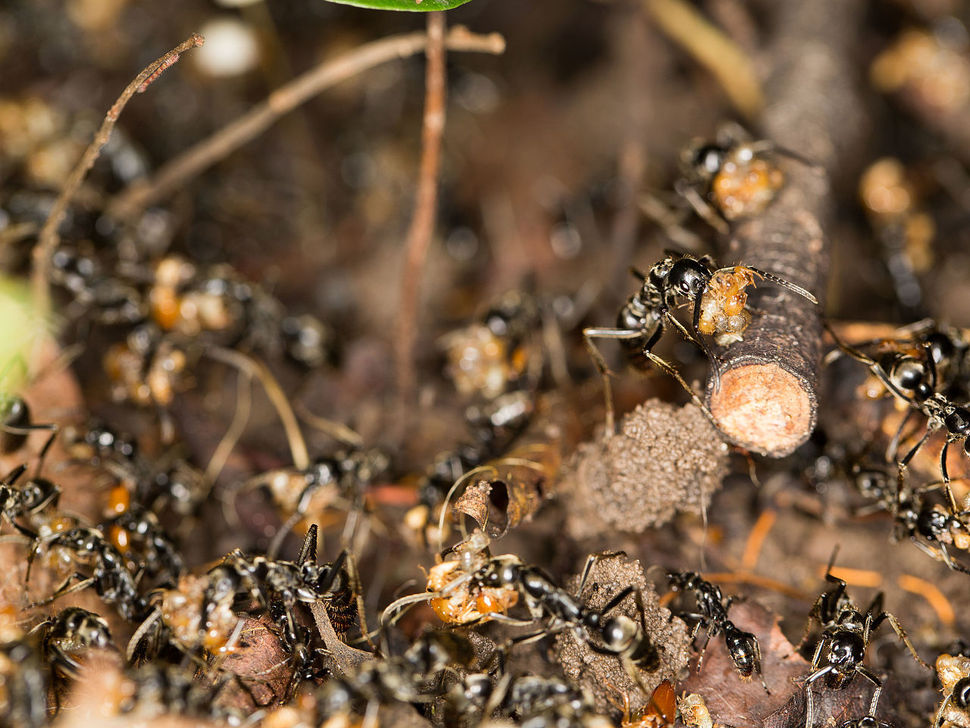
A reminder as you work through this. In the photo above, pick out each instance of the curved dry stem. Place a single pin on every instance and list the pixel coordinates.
(48, 237)
(337, 430)
(240, 418)
(277, 397)
(199, 157)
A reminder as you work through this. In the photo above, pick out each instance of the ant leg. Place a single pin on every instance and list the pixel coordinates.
(898, 436)
(603, 368)
(708, 352)
(874, 703)
(943, 471)
(668, 368)
(617, 598)
(809, 717)
(704, 210)
(942, 555)
(869, 675)
(901, 633)
(139, 634)
(63, 590)
(590, 560)
(703, 650)
(358, 588)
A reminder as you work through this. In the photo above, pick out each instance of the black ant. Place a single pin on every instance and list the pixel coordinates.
(846, 633)
(616, 635)
(136, 533)
(713, 616)
(414, 677)
(914, 381)
(26, 500)
(109, 577)
(341, 476)
(642, 320)
(731, 178)
(26, 682)
(954, 674)
(199, 612)
(73, 629)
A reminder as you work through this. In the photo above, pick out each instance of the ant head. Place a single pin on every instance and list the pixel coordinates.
(846, 648)
(706, 160)
(619, 633)
(38, 492)
(688, 277)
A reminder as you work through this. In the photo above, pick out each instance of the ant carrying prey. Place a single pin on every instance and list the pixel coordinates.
(733, 177)
(717, 296)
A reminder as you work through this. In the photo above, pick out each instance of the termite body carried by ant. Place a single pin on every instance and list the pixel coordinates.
(954, 674)
(717, 296)
(454, 593)
(713, 616)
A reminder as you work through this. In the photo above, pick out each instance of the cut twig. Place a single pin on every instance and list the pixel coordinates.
(767, 399)
(422, 224)
(710, 47)
(48, 237)
(199, 157)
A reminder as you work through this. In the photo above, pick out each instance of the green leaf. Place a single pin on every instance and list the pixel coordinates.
(423, 6)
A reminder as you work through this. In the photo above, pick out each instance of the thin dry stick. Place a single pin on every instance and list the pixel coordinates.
(422, 224)
(48, 238)
(710, 47)
(199, 157)
(767, 401)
